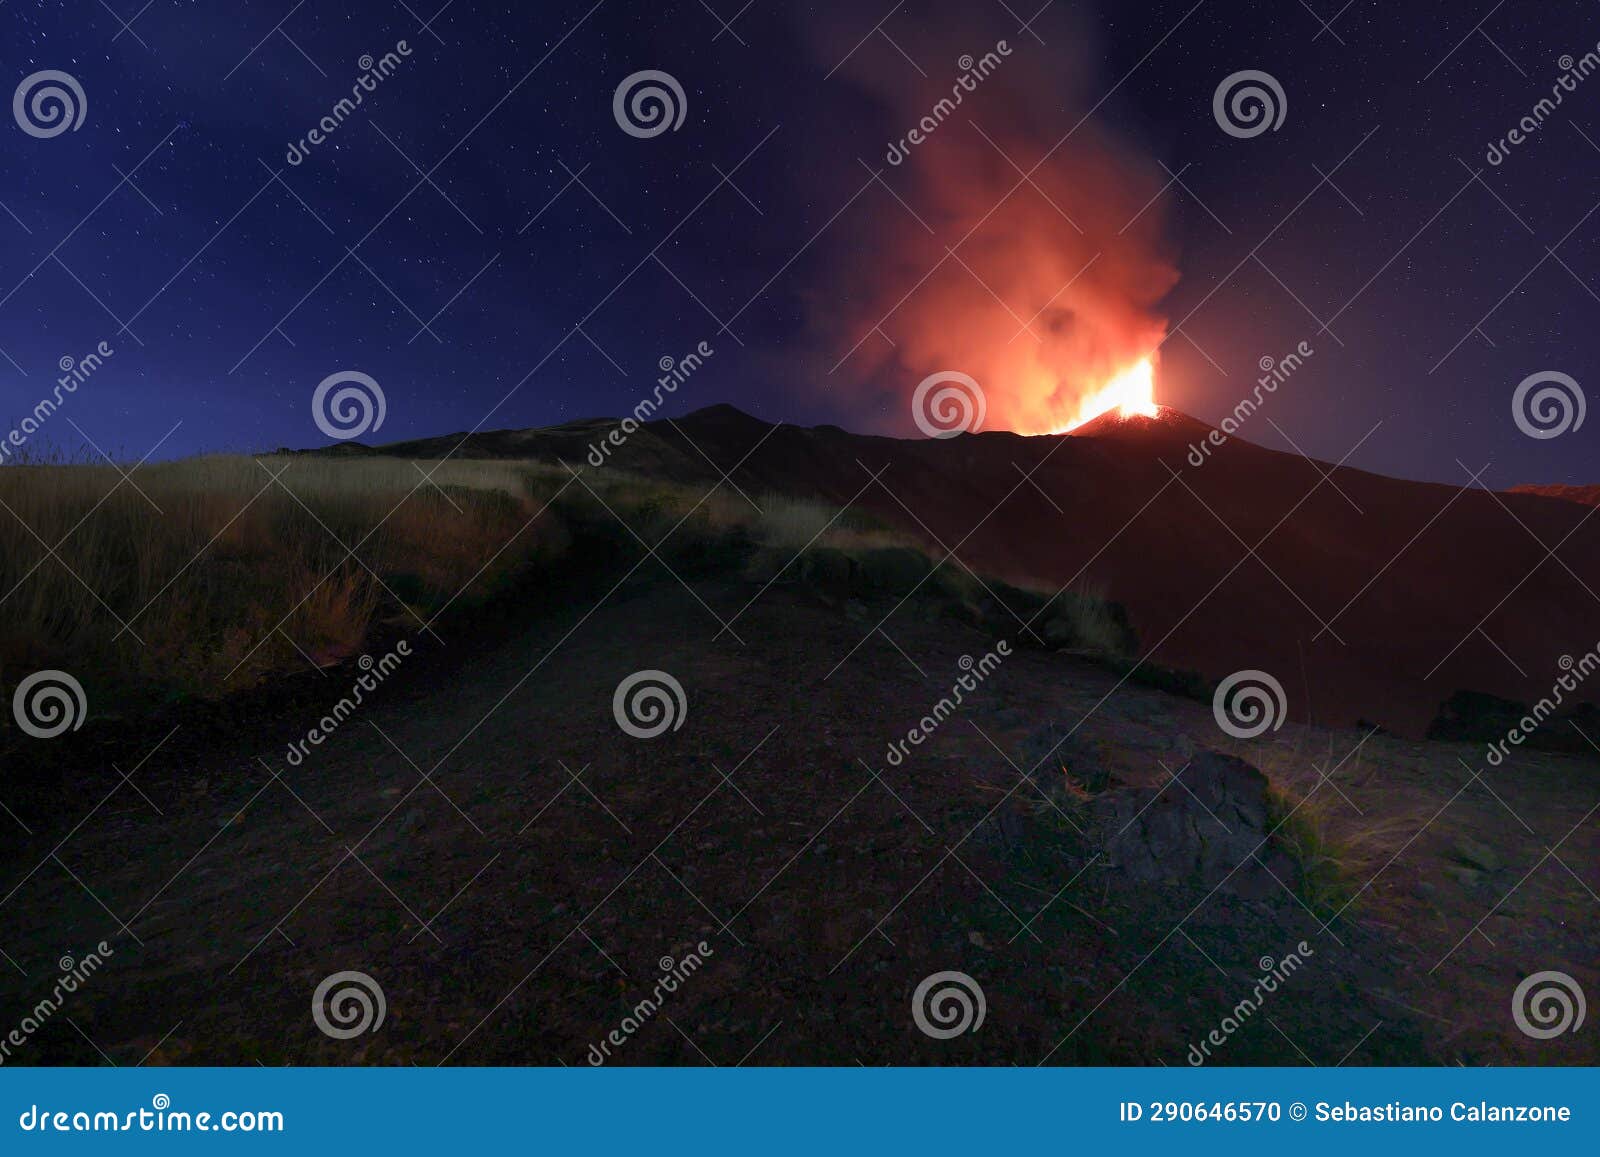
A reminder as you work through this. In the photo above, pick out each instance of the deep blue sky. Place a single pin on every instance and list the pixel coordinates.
(205, 256)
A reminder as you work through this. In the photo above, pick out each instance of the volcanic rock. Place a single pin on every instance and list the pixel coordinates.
(1207, 825)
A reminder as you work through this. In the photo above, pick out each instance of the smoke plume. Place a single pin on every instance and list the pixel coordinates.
(1029, 252)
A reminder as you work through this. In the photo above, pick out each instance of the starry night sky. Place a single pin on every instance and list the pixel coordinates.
(556, 259)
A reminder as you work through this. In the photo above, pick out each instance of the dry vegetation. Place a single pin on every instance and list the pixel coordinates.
(207, 575)
(1332, 814)
(210, 572)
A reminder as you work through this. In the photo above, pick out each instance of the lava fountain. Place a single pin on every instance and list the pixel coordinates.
(1131, 393)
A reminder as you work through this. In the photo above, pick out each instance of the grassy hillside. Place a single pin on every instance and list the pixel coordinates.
(207, 575)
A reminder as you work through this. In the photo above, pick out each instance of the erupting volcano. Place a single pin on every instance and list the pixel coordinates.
(1132, 393)
(1031, 263)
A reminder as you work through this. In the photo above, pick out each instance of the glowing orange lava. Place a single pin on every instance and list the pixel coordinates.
(1132, 393)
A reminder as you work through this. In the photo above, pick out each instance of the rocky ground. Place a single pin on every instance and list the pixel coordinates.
(514, 871)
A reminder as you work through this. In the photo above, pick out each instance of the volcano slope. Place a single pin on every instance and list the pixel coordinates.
(1368, 598)
(869, 791)
(515, 872)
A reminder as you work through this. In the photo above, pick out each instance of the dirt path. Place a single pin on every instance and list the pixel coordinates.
(515, 871)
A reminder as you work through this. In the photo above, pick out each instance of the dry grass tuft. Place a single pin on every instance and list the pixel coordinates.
(1333, 817)
(206, 574)
(209, 574)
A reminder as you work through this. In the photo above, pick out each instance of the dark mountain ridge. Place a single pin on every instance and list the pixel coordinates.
(1368, 598)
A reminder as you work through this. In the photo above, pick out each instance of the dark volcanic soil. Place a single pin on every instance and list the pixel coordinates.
(511, 868)
(1381, 598)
